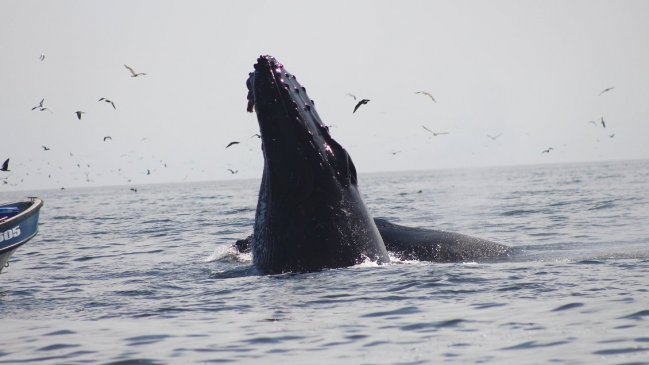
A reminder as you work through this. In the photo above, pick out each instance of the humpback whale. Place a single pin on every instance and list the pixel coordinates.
(310, 215)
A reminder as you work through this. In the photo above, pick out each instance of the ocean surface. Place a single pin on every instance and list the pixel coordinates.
(117, 277)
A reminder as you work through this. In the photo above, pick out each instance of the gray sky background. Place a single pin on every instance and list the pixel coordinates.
(528, 70)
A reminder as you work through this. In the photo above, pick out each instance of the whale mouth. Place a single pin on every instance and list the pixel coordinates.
(292, 133)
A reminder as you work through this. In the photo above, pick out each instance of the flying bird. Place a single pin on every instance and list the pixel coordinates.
(493, 138)
(108, 137)
(133, 73)
(611, 135)
(108, 101)
(255, 135)
(548, 150)
(148, 172)
(233, 171)
(79, 113)
(231, 143)
(395, 152)
(606, 90)
(593, 122)
(42, 57)
(427, 94)
(603, 123)
(5, 166)
(45, 148)
(358, 105)
(40, 106)
(435, 134)
(352, 95)
(134, 190)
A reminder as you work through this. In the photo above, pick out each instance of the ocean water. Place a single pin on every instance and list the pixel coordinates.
(117, 277)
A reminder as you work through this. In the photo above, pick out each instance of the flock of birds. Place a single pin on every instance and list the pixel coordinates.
(358, 104)
(41, 107)
(493, 138)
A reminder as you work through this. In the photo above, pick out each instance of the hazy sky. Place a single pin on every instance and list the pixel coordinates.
(529, 71)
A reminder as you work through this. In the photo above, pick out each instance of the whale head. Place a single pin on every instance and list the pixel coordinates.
(310, 214)
(293, 135)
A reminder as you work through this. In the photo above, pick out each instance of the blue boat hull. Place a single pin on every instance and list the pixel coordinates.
(18, 225)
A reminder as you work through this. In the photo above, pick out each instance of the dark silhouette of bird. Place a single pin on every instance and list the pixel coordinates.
(133, 73)
(42, 57)
(611, 135)
(606, 90)
(148, 172)
(435, 134)
(358, 105)
(79, 113)
(493, 138)
(547, 150)
(134, 190)
(255, 135)
(593, 122)
(395, 152)
(108, 101)
(352, 95)
(108, 137)
(40, 106)
(427, 94)
(603, 123)
(5, 166)
(45, 148)
(231, 143)
(233, 171)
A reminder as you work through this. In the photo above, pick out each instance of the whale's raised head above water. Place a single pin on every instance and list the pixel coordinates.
(310, 214)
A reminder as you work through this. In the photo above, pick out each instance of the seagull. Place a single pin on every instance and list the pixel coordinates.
(493, 138)
(40, 105)
(395, 152)
(133, 74)
(148, 172)
(233, 171)
(108, 101)
(606, 90)
(255, 135)
(603, 123)
(42, 57)
(548, 150)
(45, 148)
(610, 136)
(435, 134)
(358, 105)
(78, 113)
(352, 95)
(5, 166)
(427, 94)
(108, 137)
(592, 122)
(231, 143)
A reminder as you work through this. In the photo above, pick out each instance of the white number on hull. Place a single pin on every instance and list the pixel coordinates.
(10, 233)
